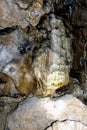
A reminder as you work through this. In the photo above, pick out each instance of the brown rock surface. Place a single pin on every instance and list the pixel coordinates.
(35, 12)
(2, 120)
(22, 13)
(10, 15)
(22, 75)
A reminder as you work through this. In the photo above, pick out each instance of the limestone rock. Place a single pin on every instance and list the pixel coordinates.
(39, 113)
(7, 84)
(35, 12)
(2, 120)
(11, 15)
(68, 125)
(7, 104)
(11, 44)
(22, 13)
(7, 54)
(24, 4)
(52, 61)
(16, 74)
(22, 76)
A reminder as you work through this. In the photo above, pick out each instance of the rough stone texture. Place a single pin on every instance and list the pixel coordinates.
(73, 88)
(52, 60)
(17, 12)
(68, 125)
(11, 15)
(2, 120)
(15, 68)
(10, 44)
(36, 37)
(79, 21)
(43, 38)
(7, 104)
(35, 12)
(22, 51)
(22, 76)
(38, 113)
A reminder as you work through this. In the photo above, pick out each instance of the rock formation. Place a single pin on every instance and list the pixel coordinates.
(47, 44)
(66, 112)
(52, 60)
(43, 52)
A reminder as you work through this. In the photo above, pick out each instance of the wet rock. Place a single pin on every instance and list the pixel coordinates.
(52, 61)
(31, 113)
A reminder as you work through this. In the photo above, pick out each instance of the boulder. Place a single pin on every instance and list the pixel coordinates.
(66, 112)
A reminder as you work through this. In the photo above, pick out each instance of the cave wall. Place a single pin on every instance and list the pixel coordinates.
(41, 43)
(43, 49)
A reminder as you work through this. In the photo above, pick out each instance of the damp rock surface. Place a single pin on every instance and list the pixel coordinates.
(61, 112)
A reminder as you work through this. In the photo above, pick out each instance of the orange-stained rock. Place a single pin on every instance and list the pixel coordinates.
(22, 75)
(6, 84)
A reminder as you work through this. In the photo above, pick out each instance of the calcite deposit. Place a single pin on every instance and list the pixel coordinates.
(43, 52)
(52, 60)
(45, 31)
(46, 48)
(40, 32)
